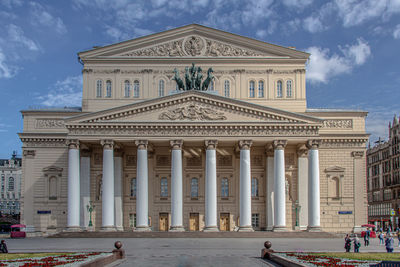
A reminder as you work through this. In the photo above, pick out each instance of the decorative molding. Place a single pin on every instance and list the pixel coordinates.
(224, 161)
(313, 144)
(194, 46)
(176, 144)
(107, 144)
(269, 150)
(163, 161)
(302, 151)
(289, 159)
(279, 144)
(343, 142)
(43, 142)
(142, 144)
(334, 169)
(357, 154)
(338, 123)
(245, 144)
(192, 112)
(29, 153)
(211, 144)
(193, 161)
(49, 124)
(130, 160)
(256, 161)
(72, 143)
(52, 170)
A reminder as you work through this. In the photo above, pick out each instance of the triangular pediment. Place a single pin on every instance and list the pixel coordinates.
(335, 169)
(194, 107)
(192, 41)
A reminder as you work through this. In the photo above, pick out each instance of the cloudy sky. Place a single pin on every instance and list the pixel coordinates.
(354, 46)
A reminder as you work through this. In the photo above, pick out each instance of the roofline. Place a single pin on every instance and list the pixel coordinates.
(327, 110)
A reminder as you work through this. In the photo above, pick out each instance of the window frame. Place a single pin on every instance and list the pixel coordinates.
(136, 89)
(255, 187)
(161, 89)
(289, 89)
(164, 187)
(108, 89)
(227, 88)
(252, 89)
(279, 89)
(99, 88)
(261, 89)
(224, 187)
(127, 88)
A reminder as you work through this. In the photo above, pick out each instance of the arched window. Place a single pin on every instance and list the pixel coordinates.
(251, 89)
(99, 88)
(161, 88)
(194, 188)
(11, 184)
(127, 88)
(53, 188)
(260, 89)
(289, 90)
(254, 187)
(226, 88)
(108, 88)
(279, 89)
(136, 89)
(224, 187)
(164, 187)
(133, 187)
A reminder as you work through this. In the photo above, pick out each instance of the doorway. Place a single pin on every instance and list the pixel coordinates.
(194, 222)
(224, 222)
(164, 222)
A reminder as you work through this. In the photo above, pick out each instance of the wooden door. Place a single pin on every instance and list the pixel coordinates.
(224, 222)
(194, 222)
(163, 222)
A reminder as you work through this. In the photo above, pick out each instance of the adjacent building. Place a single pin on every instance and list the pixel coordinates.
(242, 153)
(10, 194)
(383, 179)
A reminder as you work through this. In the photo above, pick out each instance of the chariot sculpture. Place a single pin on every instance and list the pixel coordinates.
(193, 79)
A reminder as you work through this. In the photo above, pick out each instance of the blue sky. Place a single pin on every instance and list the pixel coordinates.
(354, 46)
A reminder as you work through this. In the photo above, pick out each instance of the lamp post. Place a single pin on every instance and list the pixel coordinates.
(90, 209)
(296, 208)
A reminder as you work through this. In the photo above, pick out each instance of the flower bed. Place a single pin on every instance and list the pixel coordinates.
(310, 259)
(70, 259)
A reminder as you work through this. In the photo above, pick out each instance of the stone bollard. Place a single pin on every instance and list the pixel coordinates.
(266, 252)
(118, 252)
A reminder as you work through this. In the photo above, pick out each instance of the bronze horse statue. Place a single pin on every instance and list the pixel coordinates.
(208, 80)
(179, 82)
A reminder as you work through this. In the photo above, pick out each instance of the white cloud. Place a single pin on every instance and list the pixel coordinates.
(297, 4)
(313, 24)
(11, 3)
(64, 93)
(16, 35)
(39, 16)
(6, 71)
(396, 32)
(323, 66)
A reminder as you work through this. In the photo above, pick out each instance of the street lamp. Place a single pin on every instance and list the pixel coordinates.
(90, 209)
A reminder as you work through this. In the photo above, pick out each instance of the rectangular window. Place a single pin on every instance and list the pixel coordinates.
(164, 187)
(255, 220)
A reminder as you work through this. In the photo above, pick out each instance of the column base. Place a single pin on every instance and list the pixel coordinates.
(269, 228)
(314, 229)
(88, 229)
(73, 229)
(108, 229)
(279, 228)
(142, 229)
(120, 228)
(246, 229)
(176, 229)
(211, 229)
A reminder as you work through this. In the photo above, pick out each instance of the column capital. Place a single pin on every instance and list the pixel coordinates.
(357, 154)
(107, 144)
(279, 144)
(313, 144)
(211, 144)
(72, 143)
(302, 151)
(142, 144)
(176, 144)
(269, 150)
(245, 144)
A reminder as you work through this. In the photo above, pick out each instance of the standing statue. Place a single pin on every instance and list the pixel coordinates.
(208, 80)
(199, 77)
(178, 80)
(187, 79)
(192, 70)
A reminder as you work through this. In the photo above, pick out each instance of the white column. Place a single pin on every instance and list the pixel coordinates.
(176, 186)
(108, 223)
(142, 187)
(73, 185)
(279, 186)
(118, 191)
(313, 187)
(302, 187)
(85, 188)
(270, 188)
(211, 186)
(245, 186)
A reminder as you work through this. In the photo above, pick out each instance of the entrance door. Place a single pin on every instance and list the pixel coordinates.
(224, 222)
(164, 222)
(194, 222)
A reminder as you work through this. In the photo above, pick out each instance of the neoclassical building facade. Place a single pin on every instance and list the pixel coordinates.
(246, 154)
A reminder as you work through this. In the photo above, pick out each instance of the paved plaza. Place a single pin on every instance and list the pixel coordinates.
(186, 251)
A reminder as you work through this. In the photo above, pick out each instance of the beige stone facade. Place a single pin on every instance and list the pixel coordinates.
(258, 94)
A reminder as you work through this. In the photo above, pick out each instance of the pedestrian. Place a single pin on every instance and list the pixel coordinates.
(347, 243)
(389, 243)
(398, 237)
(380, 236)
(366, 237)
(3, 247)
(357, 244)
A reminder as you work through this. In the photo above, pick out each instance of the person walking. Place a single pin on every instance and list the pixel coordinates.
(357, 244)
(347, 243)
(380, 236)
(366, 237)
(3, 247)
(389, 243)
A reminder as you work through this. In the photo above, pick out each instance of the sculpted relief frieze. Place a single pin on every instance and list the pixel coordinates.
(49, 124)
(192, 112)
(338, 123)
(193, 46)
